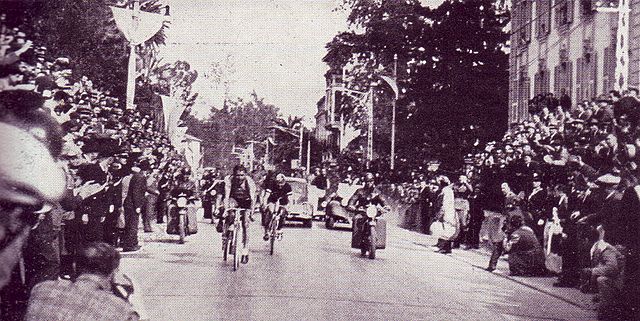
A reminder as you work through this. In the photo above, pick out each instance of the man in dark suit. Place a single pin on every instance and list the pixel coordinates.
(536, 203)
(608, 212)
(133, 204)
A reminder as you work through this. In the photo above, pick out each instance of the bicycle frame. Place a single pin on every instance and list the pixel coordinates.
(231, 235)
(275, 224)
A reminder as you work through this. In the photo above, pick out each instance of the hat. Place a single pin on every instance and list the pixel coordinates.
(28, 172)
(609, 179)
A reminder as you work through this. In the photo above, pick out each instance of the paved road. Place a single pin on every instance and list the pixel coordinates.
(315, 275)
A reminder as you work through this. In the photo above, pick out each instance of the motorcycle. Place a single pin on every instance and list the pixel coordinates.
(369, 230)
(336, 206)
(182, 217)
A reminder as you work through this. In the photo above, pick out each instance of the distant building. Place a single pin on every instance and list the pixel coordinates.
(331, 129)
(570, 45)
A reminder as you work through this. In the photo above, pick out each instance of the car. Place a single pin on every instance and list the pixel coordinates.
(299, 209)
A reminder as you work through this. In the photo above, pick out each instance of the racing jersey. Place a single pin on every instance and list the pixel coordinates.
(281, 192)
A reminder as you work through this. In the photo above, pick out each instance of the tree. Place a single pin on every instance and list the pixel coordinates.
(452, 68)
(235, 124)
(85, 32)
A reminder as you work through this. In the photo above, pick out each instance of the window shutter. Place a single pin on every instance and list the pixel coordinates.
(593, 79)
(579, 79)
(570, 8)
(557, 13)
(569, 77)
(529, 10)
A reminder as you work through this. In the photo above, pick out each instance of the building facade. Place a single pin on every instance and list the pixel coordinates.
(329, 125)
(567, 45)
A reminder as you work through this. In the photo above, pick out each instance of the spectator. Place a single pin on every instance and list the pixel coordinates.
(525, 252)
(565, 100)
(134, 188)
(607, 273)
(89, 297)
(447, 226)
(30, 181)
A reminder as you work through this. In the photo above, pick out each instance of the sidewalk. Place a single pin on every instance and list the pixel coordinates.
(480, 258)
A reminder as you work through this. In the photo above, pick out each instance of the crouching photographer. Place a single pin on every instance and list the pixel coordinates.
(93, 295)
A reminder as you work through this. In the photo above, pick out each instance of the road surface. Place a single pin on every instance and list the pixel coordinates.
(315, 275)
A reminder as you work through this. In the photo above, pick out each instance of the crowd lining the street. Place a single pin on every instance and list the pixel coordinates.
(558, 193)
(118, 165)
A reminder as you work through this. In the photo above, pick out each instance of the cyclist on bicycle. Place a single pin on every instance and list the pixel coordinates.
(240, 192)
(278, 190)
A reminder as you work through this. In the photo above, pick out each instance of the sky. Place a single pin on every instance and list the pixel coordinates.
(275, 48)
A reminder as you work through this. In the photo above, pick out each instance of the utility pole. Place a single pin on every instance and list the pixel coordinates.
(300, 150)
(308, 156)
(393, 115)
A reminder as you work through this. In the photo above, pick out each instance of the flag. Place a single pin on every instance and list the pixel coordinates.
(393, 84)
(148, 24)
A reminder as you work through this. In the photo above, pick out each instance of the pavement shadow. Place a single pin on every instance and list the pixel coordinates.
(166, 241)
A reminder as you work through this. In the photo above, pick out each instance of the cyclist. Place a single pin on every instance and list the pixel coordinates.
(240, 192)
(278, 190)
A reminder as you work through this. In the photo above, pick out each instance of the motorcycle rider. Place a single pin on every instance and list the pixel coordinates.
(279, 190)
(240, 188)
(369, 194)
(184, 185)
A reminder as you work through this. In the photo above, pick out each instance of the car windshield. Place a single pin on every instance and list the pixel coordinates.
(299, 188)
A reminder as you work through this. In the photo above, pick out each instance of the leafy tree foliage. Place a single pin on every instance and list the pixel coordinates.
(85, 32)
(238, 122)
(452, 69)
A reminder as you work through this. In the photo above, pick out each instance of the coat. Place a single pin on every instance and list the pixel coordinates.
(88, 298)
(135, 196)
(526, 257)
(607, 261)
(448, 226)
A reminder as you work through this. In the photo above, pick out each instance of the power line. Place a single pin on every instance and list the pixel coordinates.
(540, 15)
(553, 45)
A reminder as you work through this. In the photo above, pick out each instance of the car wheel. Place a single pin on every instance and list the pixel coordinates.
(330, 222)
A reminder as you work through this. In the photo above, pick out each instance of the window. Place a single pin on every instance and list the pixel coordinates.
(563, 77)
(543, 10)
(609, 68)
(564, 12)
(541, 79)
(523, 18)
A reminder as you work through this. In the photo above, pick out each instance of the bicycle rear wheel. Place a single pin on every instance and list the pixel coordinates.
(273, 229)
(225, 247)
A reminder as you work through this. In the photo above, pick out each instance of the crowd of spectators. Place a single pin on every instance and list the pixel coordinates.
(567, 179)
(119, 168)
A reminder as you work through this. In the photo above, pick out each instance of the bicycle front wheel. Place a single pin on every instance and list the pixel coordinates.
(236, 249)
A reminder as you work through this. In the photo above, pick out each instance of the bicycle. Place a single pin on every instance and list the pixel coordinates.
(230, 237)
(274, 233)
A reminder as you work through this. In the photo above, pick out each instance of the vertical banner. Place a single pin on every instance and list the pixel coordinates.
(172, 109)
(138, 27)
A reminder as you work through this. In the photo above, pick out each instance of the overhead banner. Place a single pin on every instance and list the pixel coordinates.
(137, 29)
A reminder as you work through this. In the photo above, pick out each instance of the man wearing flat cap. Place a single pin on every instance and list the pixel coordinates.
(611, 200)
